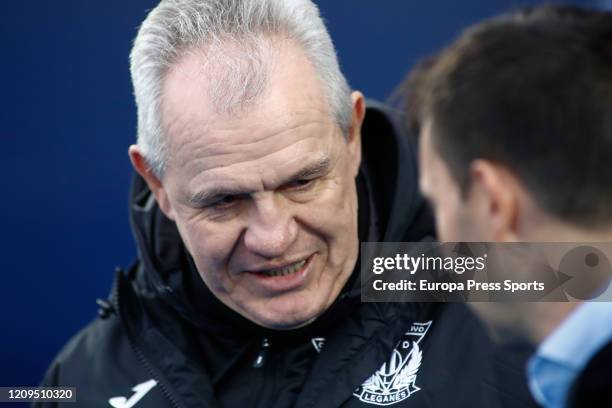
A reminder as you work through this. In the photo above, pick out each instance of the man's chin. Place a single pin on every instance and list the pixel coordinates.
(280, 321)
(291, 325)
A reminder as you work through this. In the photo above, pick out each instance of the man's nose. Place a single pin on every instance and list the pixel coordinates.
(272, 228)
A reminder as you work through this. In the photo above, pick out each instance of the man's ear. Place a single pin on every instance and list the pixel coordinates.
(354, 134)
(496, 187)
(155, 185)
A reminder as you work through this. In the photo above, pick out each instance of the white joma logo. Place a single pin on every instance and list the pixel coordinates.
(140, 391)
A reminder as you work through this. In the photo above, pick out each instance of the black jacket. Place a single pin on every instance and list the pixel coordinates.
(164, 340)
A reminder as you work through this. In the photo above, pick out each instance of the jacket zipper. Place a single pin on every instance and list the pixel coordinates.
(139, 353)
(262, 356)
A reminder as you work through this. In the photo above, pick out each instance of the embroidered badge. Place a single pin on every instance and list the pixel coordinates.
(395, 380)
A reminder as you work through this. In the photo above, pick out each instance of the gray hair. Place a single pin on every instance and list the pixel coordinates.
(233, 34)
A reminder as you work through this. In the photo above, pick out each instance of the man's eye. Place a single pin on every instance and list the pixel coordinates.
(223, 202)
(298, 184)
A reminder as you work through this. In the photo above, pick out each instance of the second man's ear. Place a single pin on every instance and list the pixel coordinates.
(500, 202)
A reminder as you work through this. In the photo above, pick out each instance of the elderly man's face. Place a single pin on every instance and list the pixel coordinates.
(264, 200)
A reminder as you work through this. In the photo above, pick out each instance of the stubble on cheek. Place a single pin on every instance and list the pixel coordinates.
(343, 239)
(210, 256)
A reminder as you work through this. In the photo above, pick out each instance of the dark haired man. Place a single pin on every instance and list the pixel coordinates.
(515, 123)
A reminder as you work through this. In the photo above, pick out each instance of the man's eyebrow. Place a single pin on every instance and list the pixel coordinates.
(205, 196)
(315, 169)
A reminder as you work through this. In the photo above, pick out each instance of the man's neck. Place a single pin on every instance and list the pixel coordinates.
(547, 317)
(547, 229)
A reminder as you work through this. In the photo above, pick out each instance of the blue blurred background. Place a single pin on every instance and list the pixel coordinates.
(67, 118)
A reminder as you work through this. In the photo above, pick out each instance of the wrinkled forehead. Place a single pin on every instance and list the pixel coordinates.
(255, 152)
(271, 141)
(292, 111)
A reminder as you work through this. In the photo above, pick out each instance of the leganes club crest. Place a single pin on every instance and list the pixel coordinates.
(395, 380)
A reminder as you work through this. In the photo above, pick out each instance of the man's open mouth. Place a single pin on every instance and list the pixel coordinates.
(285, 270)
